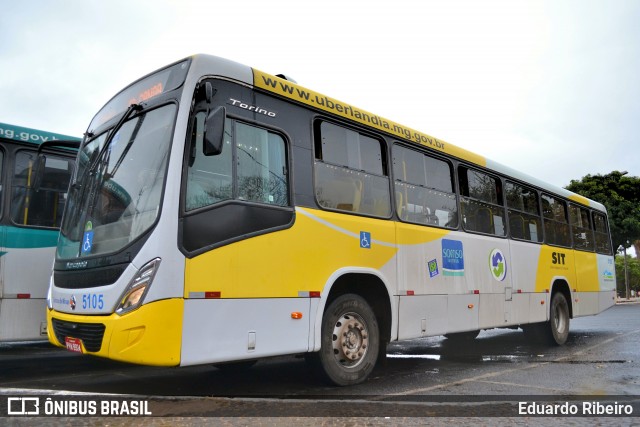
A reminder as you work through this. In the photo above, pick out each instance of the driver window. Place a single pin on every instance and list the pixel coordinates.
(209, 178)
(252, 167)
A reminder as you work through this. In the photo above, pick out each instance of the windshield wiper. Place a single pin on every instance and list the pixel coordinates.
(98, 160)
(87, 198)
(134, 135)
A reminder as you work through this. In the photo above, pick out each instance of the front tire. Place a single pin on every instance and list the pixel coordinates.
(350, 341)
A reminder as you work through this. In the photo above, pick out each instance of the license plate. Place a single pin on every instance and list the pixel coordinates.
(73, 344)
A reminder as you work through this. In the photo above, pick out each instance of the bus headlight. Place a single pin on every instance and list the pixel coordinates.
(134, 294)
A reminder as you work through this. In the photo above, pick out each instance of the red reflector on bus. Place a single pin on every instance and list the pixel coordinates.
(476, 291)
(314, 294)
(410, 293)
(212, 294)
(24, 296)
(519, 291)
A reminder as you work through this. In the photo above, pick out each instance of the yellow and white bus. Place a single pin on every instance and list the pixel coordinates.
(220, 214)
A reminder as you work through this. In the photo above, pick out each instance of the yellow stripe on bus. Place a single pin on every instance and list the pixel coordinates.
(306, 96)
(301, 258)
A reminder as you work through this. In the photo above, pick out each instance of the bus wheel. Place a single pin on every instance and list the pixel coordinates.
(559, 319)
(554, 331)
(349, 342)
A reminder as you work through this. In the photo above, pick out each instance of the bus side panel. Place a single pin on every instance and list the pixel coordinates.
(555, 264)
(22, 319)
(525, 259)
(586, 300)
(596, 277)
(488, 271)
(221, 330)
(607, 280)
(28, 261)
(462, 312)
(260, 279)
(26, 268)
(422, 283)
(422, 316)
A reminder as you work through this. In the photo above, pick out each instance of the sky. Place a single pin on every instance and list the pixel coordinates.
(550, 88)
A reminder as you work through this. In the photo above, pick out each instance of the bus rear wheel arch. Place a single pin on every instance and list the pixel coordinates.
(556, 329)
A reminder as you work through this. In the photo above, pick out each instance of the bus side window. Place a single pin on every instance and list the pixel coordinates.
(350, 171)
(523, 211)
(424, 189)
(209, 178)
(260, 174)
(556, 225)
(262, 165)
(601, 227)
(481, 202)
(581, 228)
(44, 207)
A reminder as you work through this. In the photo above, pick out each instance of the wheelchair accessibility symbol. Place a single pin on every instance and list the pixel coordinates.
(87, 242)
(365, 240)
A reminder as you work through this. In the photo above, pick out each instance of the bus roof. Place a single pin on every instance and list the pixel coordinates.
(34, 136)
(216, 66)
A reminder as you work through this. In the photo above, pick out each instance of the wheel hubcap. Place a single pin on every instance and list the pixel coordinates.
(560, 319)
(350, 340)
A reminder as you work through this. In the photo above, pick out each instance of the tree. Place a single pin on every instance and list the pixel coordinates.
(633, 272)
(620, 194)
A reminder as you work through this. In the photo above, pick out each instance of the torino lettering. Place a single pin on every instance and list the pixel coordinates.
(254, 108)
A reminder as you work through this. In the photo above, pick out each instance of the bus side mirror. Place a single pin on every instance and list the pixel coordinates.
(38, 171)
(214, 132)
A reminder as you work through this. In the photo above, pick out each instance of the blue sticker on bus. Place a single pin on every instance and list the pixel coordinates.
(452, 258)
(433, 268)
(365, 240)
(87, 242)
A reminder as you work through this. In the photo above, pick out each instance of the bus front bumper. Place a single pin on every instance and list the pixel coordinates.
(149, 335)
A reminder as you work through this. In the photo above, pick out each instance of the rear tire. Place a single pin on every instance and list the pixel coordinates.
(556, 330)
(559, 319)
(350, 340)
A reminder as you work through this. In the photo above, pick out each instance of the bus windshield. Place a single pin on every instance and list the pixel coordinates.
(116, 193)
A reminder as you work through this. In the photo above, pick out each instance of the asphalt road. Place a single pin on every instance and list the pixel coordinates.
(423, 377)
